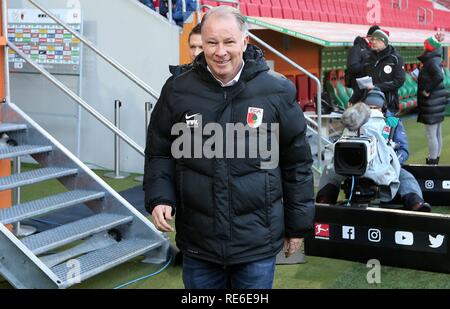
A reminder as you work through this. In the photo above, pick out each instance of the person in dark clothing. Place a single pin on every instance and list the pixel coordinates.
(178, 16)
(356, 57)
(195, 42)
(195, 48)
(386, 68)
(148, 3)
(432, 97)
(233, 215)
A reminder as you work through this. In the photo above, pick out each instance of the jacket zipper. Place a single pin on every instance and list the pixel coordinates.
(229, 175)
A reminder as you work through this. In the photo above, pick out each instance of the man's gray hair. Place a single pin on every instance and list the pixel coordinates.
(224, 10)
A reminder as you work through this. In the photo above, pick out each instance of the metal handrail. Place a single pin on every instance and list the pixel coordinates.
(198, 9)
(327, 142)
(79, 100)
(6, 60)
(169, 10)
(108, 59)
(314, 78)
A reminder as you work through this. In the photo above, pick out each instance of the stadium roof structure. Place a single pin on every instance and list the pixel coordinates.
(335, 35)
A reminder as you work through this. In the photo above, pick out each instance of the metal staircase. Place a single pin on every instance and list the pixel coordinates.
(114, 233)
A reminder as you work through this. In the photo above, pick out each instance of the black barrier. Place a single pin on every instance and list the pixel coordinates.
(394, 237)
(434, 182)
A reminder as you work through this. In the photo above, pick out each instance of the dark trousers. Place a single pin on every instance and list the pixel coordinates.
(199, 274)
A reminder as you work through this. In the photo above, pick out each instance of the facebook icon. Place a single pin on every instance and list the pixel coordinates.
(348, 232)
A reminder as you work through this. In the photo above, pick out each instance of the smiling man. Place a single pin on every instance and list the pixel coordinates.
(233, 214)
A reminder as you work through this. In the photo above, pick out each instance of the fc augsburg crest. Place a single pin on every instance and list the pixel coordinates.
(254, 117)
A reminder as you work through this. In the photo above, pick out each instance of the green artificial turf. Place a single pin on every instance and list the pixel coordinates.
(316, 273)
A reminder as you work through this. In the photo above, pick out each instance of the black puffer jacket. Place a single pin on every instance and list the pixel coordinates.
(388, 73)
(356, 57)
(230, 211)
(431, 80)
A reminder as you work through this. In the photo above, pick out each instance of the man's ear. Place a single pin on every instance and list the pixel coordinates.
(246, 40)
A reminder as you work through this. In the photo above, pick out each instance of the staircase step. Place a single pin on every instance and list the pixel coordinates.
(34, 176)
(10, 127)
(98, 261)
(65, 234)
(47, 205)
(8, 152)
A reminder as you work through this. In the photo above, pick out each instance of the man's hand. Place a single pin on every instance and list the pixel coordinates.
(161, 214)
(291, 245)
(426, 94)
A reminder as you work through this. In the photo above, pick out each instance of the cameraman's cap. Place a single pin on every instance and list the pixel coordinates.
(375, 97)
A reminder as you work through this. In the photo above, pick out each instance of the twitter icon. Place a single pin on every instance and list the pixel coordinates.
(436, 242)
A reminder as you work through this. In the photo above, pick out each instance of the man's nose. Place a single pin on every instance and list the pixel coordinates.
(221, 50)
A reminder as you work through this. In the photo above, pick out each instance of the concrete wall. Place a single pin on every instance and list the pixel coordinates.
(141, 40)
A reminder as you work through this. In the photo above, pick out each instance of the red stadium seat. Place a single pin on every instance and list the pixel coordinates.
(285, 4)
(323, 17)
(315, 16)
(288, 13)
(307, 15)
(277, 12)
(291, 78)
(275, 3)
(243, 8)
(293, 4)
(265, 10)
(297, 14)
(253, 9)
(302, 89)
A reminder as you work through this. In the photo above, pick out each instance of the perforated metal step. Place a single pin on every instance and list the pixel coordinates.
(10, 127)
(34, 176)
(46, 205)
(98, 261)
(65, 234)
(8, 152)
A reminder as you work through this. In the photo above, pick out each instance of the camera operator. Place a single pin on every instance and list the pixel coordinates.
(384, 169)
(409, 191)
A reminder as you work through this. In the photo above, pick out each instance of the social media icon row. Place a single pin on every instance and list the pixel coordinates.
(403, 238)
(348, 232)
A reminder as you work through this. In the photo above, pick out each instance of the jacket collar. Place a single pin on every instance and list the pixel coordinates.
(388, 51)
(428, 55)
(374, 113)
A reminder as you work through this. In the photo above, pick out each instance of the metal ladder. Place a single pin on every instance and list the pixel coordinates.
(114, 233)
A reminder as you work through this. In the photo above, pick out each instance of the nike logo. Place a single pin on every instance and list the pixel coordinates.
(191, 116)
